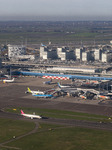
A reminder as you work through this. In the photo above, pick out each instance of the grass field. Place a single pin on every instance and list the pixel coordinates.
(68, 138)
(10, 128)
(54, 37)
(53, 136)
(56, 32)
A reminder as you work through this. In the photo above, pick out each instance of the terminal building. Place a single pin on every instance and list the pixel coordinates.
(71, 69)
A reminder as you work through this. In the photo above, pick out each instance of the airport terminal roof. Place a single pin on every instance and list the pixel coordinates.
(61, 75)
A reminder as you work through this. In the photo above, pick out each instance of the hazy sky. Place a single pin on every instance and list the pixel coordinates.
(55, 9)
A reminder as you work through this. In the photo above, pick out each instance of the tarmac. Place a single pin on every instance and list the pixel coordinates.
(13, 95)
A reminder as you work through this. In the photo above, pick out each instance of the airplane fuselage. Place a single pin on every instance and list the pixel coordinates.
(8, 80)
(34, 92)
(43, 95)
(37, 92)
(32, 116)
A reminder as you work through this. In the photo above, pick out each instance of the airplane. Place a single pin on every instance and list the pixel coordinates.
(32, 116)
(34, 92)
(8, 80)
(46, 95)
(39, 92)
(68, 87)
(63, 86)
(48, 82)
(43, 95)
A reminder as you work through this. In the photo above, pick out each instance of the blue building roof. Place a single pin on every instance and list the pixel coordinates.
(61, 75)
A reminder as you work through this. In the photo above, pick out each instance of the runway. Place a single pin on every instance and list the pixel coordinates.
(65, 122)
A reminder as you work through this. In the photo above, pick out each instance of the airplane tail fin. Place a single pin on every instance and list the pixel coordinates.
(59, 85)
(4, 82)
(22, 112)
(29, 90)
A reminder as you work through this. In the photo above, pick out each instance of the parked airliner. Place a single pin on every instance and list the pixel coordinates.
(32, 116)
(39, 92)
(63, 86)
(8, 80)
(34, 92)
(43, 95)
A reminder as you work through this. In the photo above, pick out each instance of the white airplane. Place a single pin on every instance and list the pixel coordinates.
(39, 92)
(8, 80)
(34, 92)
(32, 116)
(65, 86)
